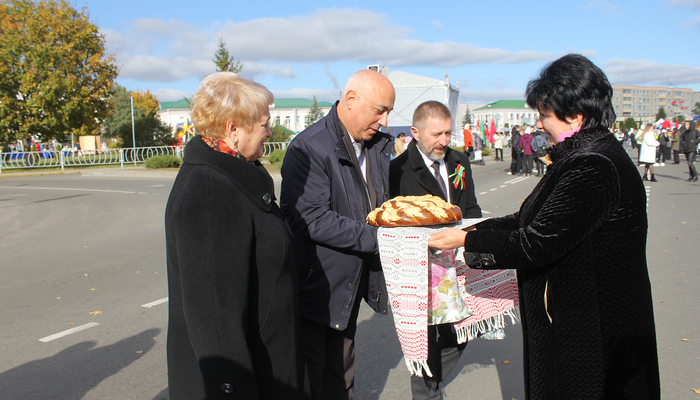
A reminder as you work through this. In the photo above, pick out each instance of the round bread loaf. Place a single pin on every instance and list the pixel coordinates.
(415, 211)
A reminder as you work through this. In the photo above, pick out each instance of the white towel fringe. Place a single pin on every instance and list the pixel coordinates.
(473, 331)
(416, 367)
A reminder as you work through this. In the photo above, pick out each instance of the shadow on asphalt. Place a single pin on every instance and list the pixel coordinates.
(73, 372)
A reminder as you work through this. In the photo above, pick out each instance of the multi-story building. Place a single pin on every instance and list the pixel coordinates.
(642, 103)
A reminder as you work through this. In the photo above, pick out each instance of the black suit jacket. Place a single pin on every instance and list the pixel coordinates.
(409, 176)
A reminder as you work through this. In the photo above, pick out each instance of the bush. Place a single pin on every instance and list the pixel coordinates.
(164, 161)
(485, 151)
(277, 156)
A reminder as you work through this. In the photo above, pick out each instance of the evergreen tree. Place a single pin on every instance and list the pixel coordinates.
(467, 119)
(315, 113)
(630, 123)
(696, 109)
(224, 61)
(661, 114)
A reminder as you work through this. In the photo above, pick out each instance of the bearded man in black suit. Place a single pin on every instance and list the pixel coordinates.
(429, 166)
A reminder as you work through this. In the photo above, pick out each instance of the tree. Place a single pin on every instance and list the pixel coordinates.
(279, 134)
(120, 111)
(696, 109)
(148, 128)
(680, 119)
(56, 77)
(630, 123)
(661, 114)
(149, 131)
(467, 119)
(146, 102)
(224, 61)
(315, 113)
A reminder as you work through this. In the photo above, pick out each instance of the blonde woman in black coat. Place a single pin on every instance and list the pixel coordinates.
(232, 331)
(578, 244)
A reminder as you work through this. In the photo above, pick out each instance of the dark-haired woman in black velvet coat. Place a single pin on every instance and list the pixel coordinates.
(579, 246)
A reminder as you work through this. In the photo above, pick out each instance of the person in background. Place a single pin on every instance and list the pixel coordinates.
(675, 145)
(539, 141)
(525, 146)
(499, 138)
(689, 145)
(468, 141)
(647, 155)
(423, 169)
(516, 155)
(233, 328)
(399, 144)
(578, 244)
(334, 173)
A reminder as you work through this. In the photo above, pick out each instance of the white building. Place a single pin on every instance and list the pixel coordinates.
(506, 113)
(289, 113)
(412, 90)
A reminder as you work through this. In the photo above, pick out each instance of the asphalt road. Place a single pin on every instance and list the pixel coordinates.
(86, 253)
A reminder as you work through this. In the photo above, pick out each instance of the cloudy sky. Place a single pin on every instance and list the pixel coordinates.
(492, 48)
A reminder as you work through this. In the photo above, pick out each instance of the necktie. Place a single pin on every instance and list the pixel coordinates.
(358, 149)
(438, 177)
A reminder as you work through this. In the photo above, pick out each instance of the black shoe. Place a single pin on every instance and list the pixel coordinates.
(653, 178)
(694, 179)
(644, 178)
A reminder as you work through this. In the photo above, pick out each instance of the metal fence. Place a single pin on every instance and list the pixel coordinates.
(83, 158)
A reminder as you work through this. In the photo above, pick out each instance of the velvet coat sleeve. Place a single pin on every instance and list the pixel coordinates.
(557, 223)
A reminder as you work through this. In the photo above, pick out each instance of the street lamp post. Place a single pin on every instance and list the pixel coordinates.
(133, 129)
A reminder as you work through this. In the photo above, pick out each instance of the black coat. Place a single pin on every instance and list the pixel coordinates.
(579, 246)
(409, 176)
(689, 139)
(326, 203)
(232, 330)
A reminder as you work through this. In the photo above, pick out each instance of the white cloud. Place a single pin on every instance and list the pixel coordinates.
(436, 23)
(693, 23)
(648, 72)
(171, 94)
(608, 10)
(154, 49)
(489, 96)
(692, 3)
(304, 93)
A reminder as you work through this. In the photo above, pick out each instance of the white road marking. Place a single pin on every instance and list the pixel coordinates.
(483, 192)
(155, 303)
(503, 186)
(68, 332)
(491, 190)
(485, 212)
(69, 189)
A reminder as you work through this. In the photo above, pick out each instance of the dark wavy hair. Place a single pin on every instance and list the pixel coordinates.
(570, 86)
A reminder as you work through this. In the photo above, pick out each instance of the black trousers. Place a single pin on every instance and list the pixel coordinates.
(690, 158)
(330, 354)
(527, 164)
(443, 355)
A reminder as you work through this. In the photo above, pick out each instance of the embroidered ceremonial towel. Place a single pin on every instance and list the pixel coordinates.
(490, 295)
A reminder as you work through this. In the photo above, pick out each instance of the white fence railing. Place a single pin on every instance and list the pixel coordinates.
(124, 156)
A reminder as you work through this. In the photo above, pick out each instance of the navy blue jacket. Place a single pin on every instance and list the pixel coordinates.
(325, 203)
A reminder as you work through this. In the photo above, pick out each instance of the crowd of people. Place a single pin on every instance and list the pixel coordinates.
(264, 299)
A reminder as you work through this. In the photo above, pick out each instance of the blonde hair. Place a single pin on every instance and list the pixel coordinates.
(648, 128)
(225, 96)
